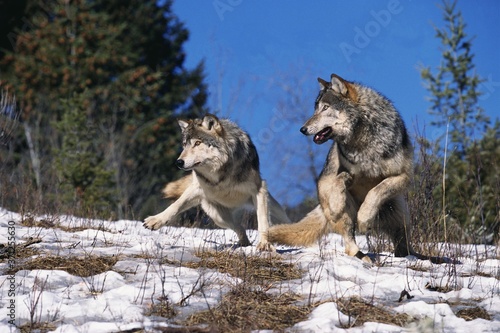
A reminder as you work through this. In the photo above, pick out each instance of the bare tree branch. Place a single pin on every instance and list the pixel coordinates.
(9, 115)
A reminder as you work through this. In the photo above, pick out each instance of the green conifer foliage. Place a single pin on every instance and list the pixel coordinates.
(465, 164)
(83, 178)
(117, 65)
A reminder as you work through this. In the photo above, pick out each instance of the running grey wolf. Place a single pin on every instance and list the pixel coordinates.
(365, 175)
(225, 177)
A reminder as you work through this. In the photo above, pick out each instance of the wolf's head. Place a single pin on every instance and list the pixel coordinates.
(201, 139)
(333, 117)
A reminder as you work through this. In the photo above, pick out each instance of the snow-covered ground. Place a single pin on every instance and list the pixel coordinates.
(117, 300)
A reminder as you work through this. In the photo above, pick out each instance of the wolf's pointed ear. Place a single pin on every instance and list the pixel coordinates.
(343, 87)
(339, 85)
(323, 84)
(183, 124)
(211, 123)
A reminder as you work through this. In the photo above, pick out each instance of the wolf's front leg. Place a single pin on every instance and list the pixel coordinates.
(261, 200)
(385, 190)
(188, 199)
(159, 220)
(332, 192)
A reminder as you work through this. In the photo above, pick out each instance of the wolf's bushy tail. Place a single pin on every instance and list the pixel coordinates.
(303, 233)
(174, 190)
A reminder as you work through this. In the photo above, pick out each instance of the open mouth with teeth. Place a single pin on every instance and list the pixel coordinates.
(323, 136)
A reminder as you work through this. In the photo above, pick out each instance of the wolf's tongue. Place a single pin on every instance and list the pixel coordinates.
(322, 136)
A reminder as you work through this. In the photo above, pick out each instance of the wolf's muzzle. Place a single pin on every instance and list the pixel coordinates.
(180, 163)
(303, 130)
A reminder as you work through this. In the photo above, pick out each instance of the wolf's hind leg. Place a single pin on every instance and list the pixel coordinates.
(340, 209)
(345, 225)
(394, 220)
(223, 217)
(261, 203)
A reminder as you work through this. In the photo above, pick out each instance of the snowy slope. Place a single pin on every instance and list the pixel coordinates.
(117, 300)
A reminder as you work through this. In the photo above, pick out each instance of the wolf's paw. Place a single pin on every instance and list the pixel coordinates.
(367, 261)
(363, 227)
(243, 242)
(266, 246)
(364, 220)
(153, 223)
(346, 178)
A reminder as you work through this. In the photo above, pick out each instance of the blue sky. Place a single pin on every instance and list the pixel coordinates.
(262, 55)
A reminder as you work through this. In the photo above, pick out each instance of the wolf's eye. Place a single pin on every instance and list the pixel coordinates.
(197, 143)
(325, 107)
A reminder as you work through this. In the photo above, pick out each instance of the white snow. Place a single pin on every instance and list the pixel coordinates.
(118, 299)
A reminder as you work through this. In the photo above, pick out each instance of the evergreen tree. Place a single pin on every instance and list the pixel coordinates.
(454, 87)
(123, 60)
(469, 187)
(158, 37)
(473, 187)
(83, 178)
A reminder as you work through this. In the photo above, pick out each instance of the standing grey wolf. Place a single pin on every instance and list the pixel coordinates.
(225, 177)
(366, 173)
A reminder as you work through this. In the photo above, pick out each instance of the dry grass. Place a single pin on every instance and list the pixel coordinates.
(84, 267)
(22, 251)
(37, 327)
(473, 313)
(162, 308)
(360, 312)
(244, 309)
(247, 306)
(439, 289)
(258, 270)
(31, 221)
